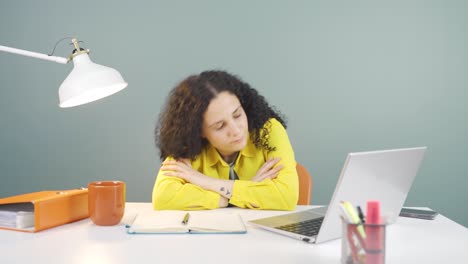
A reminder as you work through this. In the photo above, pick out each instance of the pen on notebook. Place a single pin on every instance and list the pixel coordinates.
(186, 218)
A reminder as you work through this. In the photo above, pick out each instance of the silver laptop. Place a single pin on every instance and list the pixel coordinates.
(385, 175)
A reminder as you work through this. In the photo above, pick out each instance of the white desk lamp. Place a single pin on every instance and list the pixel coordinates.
(87, 82)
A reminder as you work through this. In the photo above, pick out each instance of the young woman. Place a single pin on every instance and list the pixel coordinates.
(222, 144)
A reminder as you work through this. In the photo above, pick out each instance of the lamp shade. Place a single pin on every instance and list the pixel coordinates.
(89, 82)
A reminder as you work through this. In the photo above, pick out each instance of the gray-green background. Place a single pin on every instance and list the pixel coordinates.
(349, 75)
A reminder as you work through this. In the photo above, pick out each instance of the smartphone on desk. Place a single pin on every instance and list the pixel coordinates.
(418, 213)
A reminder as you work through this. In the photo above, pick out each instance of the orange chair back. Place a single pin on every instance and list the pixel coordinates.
(305, 185)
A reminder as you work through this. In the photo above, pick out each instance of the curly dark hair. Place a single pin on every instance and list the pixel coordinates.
(178, 133)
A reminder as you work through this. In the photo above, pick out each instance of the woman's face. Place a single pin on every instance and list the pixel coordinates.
(225, 124)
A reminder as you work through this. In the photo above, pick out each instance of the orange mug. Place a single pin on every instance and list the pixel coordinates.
(106, 202)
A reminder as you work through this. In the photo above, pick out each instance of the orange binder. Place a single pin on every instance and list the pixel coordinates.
(48, 208)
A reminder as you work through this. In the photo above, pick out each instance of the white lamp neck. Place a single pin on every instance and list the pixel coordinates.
(78, 50)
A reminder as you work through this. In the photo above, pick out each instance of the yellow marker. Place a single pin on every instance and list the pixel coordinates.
(354, 217)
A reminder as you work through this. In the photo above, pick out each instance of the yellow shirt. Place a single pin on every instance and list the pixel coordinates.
(280, 193)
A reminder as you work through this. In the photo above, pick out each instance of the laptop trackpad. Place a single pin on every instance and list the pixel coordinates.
(291, 218)
(320, 210)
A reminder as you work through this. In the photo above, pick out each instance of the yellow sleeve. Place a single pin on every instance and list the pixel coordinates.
(280, 193)
(172, 193)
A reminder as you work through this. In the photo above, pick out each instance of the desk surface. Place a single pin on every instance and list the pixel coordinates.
(408, 241)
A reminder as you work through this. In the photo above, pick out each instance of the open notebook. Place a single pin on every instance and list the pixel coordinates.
(170, 222)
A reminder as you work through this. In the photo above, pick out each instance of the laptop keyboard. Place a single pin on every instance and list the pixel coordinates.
(306, 228)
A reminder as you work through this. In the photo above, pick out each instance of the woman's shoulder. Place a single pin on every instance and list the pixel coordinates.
(273, 123)
(273, 129)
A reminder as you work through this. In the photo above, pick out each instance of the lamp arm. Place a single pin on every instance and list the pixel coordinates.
(34, 54)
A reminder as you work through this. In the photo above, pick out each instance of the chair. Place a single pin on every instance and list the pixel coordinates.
(305, 185)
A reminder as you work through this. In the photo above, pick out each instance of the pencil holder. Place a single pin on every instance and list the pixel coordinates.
(363, 243)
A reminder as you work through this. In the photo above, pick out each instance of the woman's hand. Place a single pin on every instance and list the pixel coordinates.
(180, 168)
(223, 202)
(268, 171)
(183, 169)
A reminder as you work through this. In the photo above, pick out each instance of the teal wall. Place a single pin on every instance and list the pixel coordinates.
(350, 76)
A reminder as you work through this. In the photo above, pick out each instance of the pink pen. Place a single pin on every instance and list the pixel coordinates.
(374, 234)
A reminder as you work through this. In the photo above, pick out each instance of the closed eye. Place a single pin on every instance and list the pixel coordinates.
(237, 113)
(220, 126)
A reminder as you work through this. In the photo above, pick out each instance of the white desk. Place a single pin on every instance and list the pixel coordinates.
(408, 241)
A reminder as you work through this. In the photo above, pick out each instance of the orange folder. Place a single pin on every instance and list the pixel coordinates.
(50, 208)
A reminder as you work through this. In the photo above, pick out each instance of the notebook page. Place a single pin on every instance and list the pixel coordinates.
(216, 222)
(159, 221)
